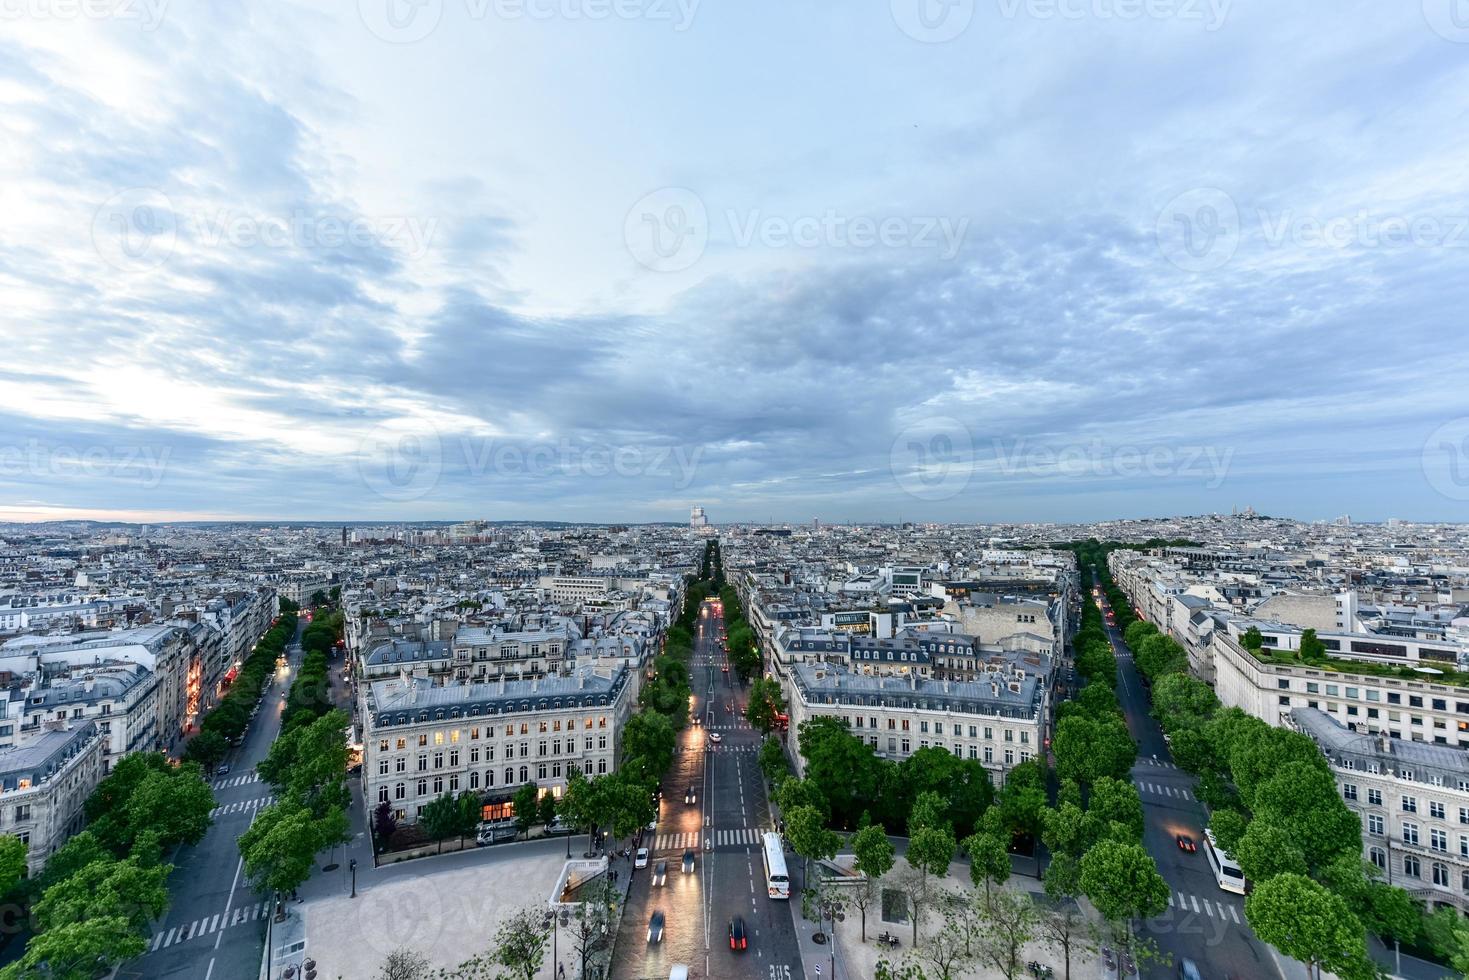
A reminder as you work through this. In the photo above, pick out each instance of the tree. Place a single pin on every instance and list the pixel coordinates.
(1115, 803)
(1228, 826)
(1181, 702)
(928, 810)
(384, 824)
(1011, 923)
(874, 858)
(403, 964)
(1123, 882)
(206, 748)
(470, 811)
(1088, 749)
(649, 742)
(12, 862)
(71, 857)
(280, 847)
(1023, 797)
(1068, 829)
(930, 852)
(1313, 651)
(963, 784)
(1265, 850)
(77, 950)
(526, 803)
(1062, 879)
(546, 811)
(311, 762)
(579, 802)
(1302, 919)
(591, 923)
(107, 888)
(809, 837)
(440, 818)
(176, 805)
(520, 943)
(1251, 639)
(989, 864)
(766, 701)
(948, 950)
(845, 768)
(772, 760)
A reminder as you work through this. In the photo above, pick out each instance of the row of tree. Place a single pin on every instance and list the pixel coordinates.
(743, 651)
(1276, 810)
(92, 906)
(310, 694)
(227, 722)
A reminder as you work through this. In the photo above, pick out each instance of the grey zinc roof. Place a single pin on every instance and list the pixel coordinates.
(394, 702)
(1340, 742)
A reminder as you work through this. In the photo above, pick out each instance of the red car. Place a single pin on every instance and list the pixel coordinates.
(1186, 843)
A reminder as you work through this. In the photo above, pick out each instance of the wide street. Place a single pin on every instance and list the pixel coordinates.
(722, 827)
(1203, 922)
(215, 924)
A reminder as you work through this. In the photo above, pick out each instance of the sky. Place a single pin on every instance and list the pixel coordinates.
(949, 260)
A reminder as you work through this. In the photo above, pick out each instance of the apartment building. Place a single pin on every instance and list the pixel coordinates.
(482, 654)
(44, 784)
(422, 740)
(999, 719)
(1413, 800)
(1401, 708)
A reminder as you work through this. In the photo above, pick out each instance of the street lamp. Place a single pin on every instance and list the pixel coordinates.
(352, 867)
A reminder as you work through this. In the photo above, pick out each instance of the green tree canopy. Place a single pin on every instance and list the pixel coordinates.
(1122, 881)
(1302, 919)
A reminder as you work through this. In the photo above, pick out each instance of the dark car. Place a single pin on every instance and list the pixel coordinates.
(737, 933)
(690, 796)
(660, 873)
(655, 928)
(1186, 843)
(688, 862)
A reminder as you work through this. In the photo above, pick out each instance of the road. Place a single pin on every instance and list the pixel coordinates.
(1203, 922)
(214, 928)
(722, 826)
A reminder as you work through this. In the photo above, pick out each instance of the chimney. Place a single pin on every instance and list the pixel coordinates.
(502, 683)
(581, 680)
(912, 682)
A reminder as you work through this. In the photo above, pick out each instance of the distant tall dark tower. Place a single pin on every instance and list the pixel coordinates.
(344, 535)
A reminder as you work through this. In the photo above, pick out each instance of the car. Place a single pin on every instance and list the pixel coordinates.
(689, 796)
(716, 737)
(653, 824)
(1189, 970)
(655, 928)
(223, 770)
(641, 859)
(725, 668)
(737, 938)
(688, 862)
(697, 721)
(1186, 843)
(660, 873)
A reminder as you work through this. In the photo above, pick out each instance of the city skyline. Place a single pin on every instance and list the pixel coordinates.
(1029, 261)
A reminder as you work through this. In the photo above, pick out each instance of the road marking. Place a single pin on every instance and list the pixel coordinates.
(1233, 914)
(1196, 903)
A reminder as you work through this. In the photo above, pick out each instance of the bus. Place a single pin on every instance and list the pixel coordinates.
(1226, 872)
(777, 882)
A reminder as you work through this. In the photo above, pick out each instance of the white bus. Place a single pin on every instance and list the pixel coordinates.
(777, 882)
(1226, 872)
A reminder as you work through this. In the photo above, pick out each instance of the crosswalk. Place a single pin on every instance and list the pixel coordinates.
(1218, 908)
(243, 806)
(733, 837)
(1155, 763)
(720, 747)
(209, 925)
(235, 781)
(1161, 789)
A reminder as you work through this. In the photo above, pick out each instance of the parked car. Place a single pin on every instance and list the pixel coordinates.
(641, 861)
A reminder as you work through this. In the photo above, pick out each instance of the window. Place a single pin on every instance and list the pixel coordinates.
(1349, 791)
(1438, 840)
(400, 791)
(1410, 833)
(1435, 810)
(906, 745)
(1440, 874)
(422, 787)
(1410, 804)
(1283, 683)
(382, 794)
(989, 754)
(1374, 824)
(1410, 866)
(1393, 697)
(382, 767)
(1284, 699)
(1009, 757)
(1374, 797)
(1379, 857)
